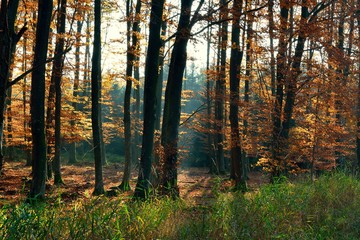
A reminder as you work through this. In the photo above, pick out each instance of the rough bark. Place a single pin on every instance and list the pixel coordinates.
(37, 100)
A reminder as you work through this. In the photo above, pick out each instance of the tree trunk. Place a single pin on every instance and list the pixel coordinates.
(38, 100)
(237, 163)
(95, 101)
(151, 82)
(125, 185)
(172, 108)
(8, 41)
(57, 74)
(221, 91)
(210, 147)
(72, 147)
(281, 66)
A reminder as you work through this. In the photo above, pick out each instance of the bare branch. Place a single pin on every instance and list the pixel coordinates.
(24, 74)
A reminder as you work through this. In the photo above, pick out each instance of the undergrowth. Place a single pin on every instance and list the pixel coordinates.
(328, 208)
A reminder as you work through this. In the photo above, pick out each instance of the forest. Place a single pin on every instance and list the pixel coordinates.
(180, 119)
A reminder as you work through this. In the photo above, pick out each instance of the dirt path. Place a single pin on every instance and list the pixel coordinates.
(195, 184)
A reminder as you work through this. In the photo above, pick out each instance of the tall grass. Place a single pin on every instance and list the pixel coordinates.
(326, 209)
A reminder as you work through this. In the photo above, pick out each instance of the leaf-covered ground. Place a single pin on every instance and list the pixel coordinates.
(196, 184)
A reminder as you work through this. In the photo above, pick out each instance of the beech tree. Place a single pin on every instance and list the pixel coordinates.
(38, 100)
(151, 81)
(237, 162)
(95, 101)
(132, 49)
(8, 40)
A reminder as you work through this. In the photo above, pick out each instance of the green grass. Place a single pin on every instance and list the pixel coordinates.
(326, 209)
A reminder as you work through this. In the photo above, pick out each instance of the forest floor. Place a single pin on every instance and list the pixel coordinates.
(196, 184)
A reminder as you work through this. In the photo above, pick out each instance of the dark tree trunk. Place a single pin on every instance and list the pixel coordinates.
(272, 50)
(221, 91)
(155, 181)
(37, 100)
(210, 148)
(281, 67)
(235, 63)
(95, 101)
(8, 41)
(151, 82)
(172, 108)
(57, 75)
(131, 54)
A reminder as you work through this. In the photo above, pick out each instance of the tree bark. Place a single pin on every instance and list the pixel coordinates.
(37, 100)
(172, 108)
(221, 91)
(151, 82)
(8, 41)
(281, 66)
(237, 163)
(57, 74)
(131, 54)
(72, 147)
(95, 101)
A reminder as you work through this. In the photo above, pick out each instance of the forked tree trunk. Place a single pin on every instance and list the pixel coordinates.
(151, 82)
(131, 53)
(172, 108)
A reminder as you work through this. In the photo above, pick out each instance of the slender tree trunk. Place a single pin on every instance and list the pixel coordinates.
(72, 146)
(151, 82)
(280, 79)
(272, 50)
(95, 101)
(26, 124)
(237, 163)
(172, 108)
(221, 90)
(210, 147)
(130, 57)
(57, 74)
(38, 100)
(159, 93)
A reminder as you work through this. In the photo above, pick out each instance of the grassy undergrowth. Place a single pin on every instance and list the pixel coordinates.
(326, 209)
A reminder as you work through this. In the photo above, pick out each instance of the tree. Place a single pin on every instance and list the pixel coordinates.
(237, 163)
(131, 55)
(151, 82)
(38, 100)
(95, 101)
(221, 89)
(57, 74)
(8, 41)
(172, 108)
